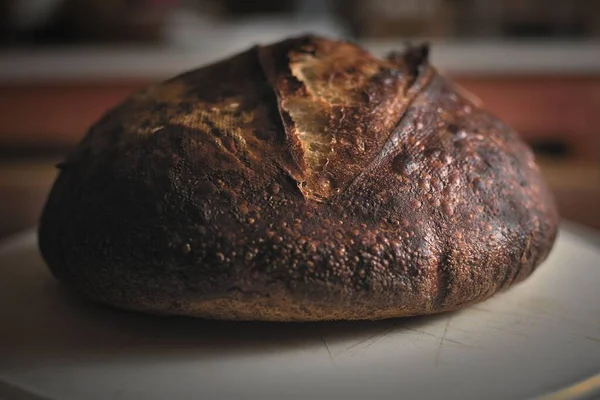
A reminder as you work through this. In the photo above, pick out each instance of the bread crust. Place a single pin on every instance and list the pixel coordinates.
(305, 180)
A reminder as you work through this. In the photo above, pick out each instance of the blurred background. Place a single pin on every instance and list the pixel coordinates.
(63, 63)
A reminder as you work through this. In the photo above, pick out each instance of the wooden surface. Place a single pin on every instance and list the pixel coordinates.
(24, 185)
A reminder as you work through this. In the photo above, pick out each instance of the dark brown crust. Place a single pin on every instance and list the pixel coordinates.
(197, 197)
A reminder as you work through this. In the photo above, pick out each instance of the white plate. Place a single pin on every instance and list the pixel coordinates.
(539, 337)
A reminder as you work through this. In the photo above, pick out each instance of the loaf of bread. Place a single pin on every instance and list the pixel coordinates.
(300, 181)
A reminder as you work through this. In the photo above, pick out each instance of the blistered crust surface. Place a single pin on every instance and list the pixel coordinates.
(305, 180)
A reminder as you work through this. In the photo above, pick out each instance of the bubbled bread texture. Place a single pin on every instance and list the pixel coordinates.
(305, 180)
